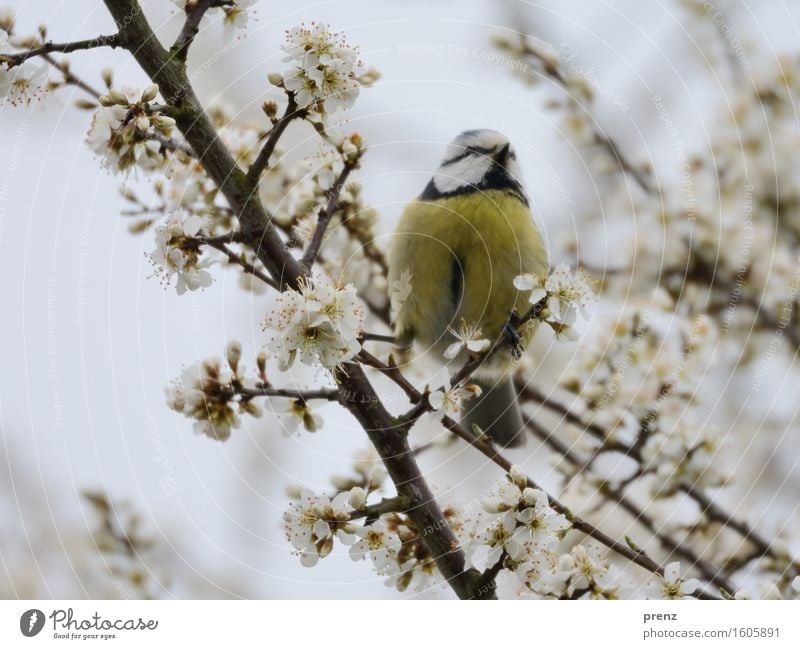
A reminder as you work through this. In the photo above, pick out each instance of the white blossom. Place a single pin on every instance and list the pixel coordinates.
(506, 496)
(175, 254)
(449, 401)
(237, 17)
(469, 336)
(380, 544)
(671, 585)
(202, 394)
(358, 498)
(127, 134)
(538, 523)
(686, 455)
(312, 524)
(321, 322)
(23, 83)
(293, 413)
(324, 71)
(560, 297)
(586, 568)
(243, 143)
(523, 525)
(400, 291)
(567, 293)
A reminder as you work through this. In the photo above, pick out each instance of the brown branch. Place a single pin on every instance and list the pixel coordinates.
(299, 395)
(393, 372)
(378, 338)
(191, 27)
(261, 162)
(243, 263)
(397, 504)
(761, 546)
(16, 58)
(325, 215)
(391, 442)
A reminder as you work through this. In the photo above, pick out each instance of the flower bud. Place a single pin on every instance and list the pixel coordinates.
(376, 477)
(6, 19)
(106, 101)
(358, 499)
(162, 122)
(270, 109)
(143, 122)
(233, 352)
(261, 363)
(118, 97)
(108, 77)
(518, 476)
(150, 93)
(85, 104)
(275, 79)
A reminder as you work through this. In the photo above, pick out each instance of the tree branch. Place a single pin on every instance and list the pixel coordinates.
(601, 139)
(391, 442)
(191, 27)
(398, 504)
(300, 395)
(325, 216)
(239, 261)
(261, 162)
(16, 58)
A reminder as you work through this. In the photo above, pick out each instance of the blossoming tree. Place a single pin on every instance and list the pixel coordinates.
(303, 238)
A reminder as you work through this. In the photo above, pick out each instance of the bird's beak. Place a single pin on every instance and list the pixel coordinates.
(502, 155)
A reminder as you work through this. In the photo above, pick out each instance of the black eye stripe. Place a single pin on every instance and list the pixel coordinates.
(470, 150)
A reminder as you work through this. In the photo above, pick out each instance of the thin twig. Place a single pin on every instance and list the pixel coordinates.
(300, 395)
(397, 504)
(326, 214)
(191, 27)
(243, 263)
(16, 58)
(393, 372)
(261, 162)
(383, 338)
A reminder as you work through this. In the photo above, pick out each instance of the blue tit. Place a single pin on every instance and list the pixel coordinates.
(452, 264)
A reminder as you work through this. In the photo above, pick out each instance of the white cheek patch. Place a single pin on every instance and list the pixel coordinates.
(468, 171)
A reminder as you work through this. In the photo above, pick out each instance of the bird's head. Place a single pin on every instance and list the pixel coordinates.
(477, 160)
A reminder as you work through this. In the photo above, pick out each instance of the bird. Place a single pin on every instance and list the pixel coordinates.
(452, 263)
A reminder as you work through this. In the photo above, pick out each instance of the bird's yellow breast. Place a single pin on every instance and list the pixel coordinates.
(459, 256)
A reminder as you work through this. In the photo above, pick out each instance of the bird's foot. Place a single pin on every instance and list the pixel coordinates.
(513, 340)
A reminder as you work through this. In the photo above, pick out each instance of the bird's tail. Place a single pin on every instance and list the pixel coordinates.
(497, 412)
